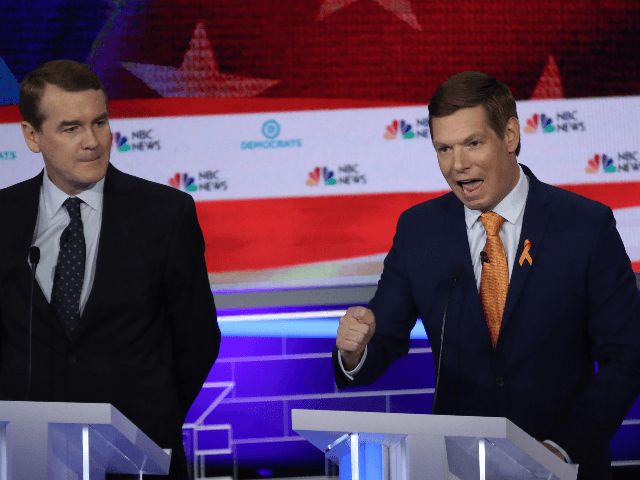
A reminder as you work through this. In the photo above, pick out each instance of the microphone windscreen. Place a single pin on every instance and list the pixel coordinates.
(458, 270)
(34, 255)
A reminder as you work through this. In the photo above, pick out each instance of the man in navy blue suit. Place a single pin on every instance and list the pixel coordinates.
(547, 289)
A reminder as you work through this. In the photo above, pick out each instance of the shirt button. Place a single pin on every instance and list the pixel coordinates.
(500, 381)
(72, 359)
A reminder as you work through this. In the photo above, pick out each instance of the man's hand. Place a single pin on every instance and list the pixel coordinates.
(555, 451)
(355, 330)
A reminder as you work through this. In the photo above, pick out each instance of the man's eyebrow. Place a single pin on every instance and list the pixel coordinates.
(439, 144)
(104, 116)
(469, 138)
(69, 123)
(473, 136)
(73, 123)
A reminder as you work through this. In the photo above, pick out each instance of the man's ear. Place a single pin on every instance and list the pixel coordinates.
(512, 134)
(31, 136)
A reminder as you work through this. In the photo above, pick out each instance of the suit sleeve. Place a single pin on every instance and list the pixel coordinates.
(613, 325)
(190, 306)
(395, 313)
(1, 340)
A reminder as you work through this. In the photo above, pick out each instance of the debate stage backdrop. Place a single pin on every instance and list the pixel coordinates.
(300, 130)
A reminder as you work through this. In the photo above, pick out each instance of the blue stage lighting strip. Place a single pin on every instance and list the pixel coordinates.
(314, 324)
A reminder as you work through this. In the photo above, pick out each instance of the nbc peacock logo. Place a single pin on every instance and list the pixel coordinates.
(593, 164)
(183, 182)
(542, 121)
(318, 175)
(121, 142)
(404, 128)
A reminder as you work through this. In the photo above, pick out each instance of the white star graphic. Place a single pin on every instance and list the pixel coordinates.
(400, 8)
(198, 76)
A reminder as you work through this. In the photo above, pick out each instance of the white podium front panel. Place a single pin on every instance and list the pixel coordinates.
(429, 446)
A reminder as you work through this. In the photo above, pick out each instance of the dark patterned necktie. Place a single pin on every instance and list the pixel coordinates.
(67, 284)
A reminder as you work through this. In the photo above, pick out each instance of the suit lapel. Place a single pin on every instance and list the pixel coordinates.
(24, 221)
(533, 226)
(117, 215)
(458, 241)
(25, 217)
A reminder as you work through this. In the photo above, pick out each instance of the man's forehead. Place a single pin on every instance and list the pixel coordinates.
(58, 102)
(459, 125)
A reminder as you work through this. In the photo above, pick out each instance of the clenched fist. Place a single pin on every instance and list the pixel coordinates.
(355, 330)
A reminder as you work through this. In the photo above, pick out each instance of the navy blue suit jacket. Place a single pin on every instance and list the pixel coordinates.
(576, 303)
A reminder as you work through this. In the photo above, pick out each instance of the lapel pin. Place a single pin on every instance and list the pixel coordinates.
(525, 253)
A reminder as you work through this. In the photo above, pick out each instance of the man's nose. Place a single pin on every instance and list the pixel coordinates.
(460, 159)
(90, 140)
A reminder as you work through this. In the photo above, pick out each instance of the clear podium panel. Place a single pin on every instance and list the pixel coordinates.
(48, 440)
(437, 447)
(358, 458)
(492, 459)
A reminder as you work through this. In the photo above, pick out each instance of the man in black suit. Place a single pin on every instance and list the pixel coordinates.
(122, 308)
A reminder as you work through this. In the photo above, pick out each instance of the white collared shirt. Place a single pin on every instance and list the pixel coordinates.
(511, 208)
(53, 218)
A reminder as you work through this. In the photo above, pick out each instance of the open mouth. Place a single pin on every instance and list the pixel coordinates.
(470, 186)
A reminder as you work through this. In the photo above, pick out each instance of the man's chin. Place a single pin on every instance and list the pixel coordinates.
(472, 203)
(93, 171)
(87, 181)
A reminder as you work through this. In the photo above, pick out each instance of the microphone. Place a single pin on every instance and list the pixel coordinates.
(484, 258)
(34, 258)
(456, 275)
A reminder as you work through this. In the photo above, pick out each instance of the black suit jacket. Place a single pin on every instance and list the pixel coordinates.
(577, 302)
(148, 335)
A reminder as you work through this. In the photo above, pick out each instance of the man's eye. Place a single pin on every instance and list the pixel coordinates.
(443, 149)
(71, 129)
(475, 143)
(101, 123)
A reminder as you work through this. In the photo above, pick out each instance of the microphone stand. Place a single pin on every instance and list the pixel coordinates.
(458, 270)
(34, 258)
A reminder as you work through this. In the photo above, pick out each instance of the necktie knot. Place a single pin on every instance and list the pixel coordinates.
(72, 204)
(492, 223)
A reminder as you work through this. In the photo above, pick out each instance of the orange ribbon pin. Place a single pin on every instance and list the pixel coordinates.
(525, 253)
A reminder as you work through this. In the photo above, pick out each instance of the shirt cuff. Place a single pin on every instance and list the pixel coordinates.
(559, 448)
(350, 375)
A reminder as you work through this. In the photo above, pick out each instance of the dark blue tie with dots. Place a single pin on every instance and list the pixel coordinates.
(67, 284)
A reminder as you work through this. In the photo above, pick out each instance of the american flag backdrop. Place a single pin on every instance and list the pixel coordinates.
(391, 50)
(162, 58)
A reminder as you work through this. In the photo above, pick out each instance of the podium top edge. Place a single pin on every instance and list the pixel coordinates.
(400, 423)
(60, 412)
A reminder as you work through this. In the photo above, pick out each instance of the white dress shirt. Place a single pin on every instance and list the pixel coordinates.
(53, 218)
(511, 208)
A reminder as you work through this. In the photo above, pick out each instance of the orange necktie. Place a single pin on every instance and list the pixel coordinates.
(494, 281)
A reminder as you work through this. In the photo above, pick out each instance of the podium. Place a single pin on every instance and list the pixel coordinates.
(73, 441)
(399, 446)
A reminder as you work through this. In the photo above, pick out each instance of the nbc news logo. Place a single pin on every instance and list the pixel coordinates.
(542, 121)
(392, 130)
(628, 162)
(593, 164)
(183, 182)
(566, 121)
(324, 175)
